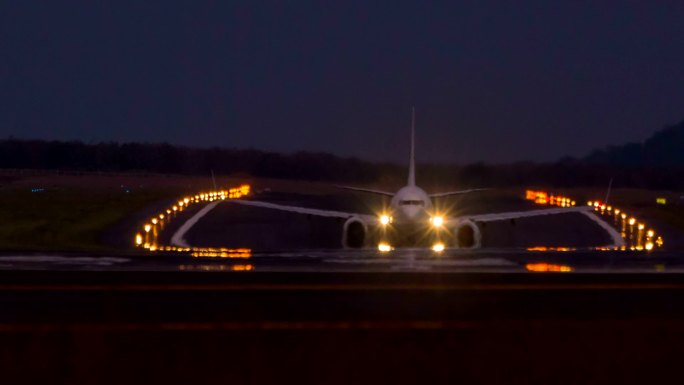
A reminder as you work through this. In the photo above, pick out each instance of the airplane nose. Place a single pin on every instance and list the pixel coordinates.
(411, 212)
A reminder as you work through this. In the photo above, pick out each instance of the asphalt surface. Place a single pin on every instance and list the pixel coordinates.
(262, 229)
(352, 261)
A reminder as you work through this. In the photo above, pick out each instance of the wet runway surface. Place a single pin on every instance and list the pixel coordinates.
(363, 261)
(255, 239)
(261, 229)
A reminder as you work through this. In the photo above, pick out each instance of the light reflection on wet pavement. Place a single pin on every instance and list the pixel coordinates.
(341, 261)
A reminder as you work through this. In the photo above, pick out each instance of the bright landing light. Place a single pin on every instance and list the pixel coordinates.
(437, 221)
(438, 247)
(384, 247)
(385, 219)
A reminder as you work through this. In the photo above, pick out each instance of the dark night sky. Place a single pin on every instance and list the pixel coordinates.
(493, 81)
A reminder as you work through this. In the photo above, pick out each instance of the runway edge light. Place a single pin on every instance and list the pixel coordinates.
(149, 239)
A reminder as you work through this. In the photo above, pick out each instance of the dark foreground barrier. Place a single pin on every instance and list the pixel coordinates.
(339, 328)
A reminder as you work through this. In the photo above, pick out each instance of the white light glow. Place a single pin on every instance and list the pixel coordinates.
(437, 221)
(384, 247)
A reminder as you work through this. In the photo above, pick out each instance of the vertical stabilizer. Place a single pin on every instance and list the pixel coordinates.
(610, 184)
(412, 157)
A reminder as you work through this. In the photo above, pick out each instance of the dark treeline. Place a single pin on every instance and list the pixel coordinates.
(665, 148)
(168, 159)
(565, 173)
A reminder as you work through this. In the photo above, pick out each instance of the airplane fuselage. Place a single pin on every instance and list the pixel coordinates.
(411, 204)
(410, 220)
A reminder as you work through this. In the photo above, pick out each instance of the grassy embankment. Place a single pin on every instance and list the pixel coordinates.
(66, 219)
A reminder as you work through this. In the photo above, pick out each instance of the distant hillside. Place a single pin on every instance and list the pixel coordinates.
(665, 148)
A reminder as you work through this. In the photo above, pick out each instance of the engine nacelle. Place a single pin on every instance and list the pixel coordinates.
(354, 233)
(467, 235)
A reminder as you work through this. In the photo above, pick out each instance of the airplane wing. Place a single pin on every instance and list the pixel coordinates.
(525, 214)
(444, 194)
(366, 190)
(369, 219)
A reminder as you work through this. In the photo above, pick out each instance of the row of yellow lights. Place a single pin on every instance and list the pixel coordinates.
(543, 267)
(218, 253)
(652, 241)
(147, 238)
(551, 248)
(543, 198)
(212, 267)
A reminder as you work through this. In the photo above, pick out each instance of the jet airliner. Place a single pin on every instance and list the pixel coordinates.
(411, 219)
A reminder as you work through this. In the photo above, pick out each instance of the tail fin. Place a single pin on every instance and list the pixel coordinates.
(610, 184)
(412, 158)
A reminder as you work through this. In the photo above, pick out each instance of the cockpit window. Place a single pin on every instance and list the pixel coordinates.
(411, 203)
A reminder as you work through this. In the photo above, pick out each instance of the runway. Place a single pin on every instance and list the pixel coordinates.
(212, 233)
(493, 261)
(262, 229)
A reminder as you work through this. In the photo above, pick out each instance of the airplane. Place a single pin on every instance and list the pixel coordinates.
(411, 218)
